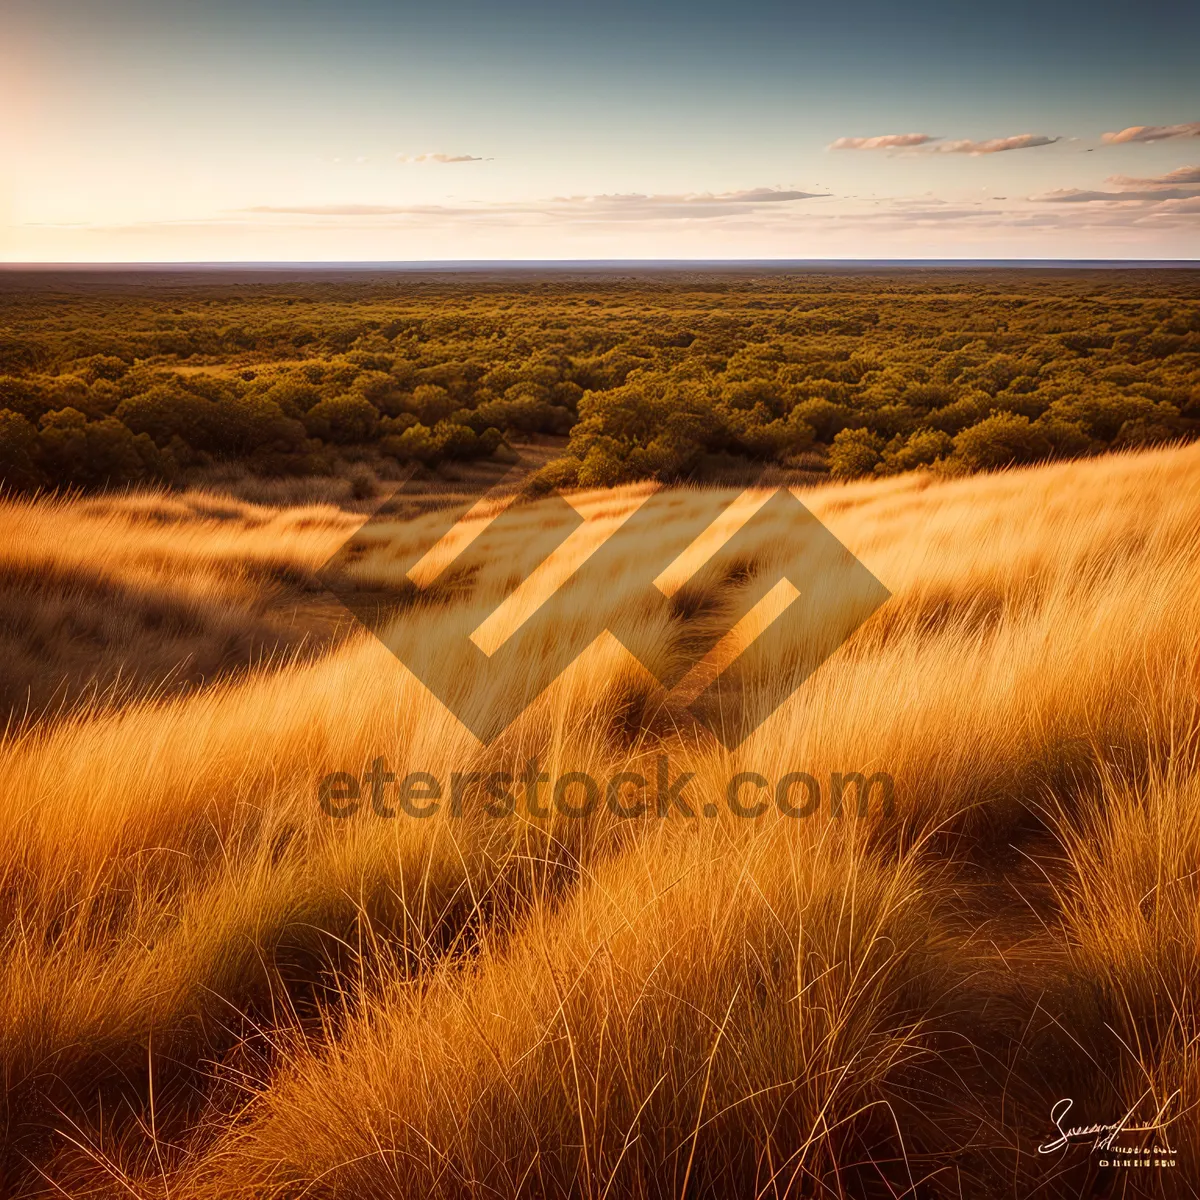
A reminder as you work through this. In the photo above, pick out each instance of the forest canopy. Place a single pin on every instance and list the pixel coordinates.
(115, 378)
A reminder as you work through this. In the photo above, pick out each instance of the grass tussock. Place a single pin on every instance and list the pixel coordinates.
(1131, 918)
(725, 1013)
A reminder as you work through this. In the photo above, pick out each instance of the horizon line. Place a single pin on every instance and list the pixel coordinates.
(476, 264)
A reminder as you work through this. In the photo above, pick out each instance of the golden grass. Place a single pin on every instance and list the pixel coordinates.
(210, 988)
(104, 599)
(1131, 915)
(724, 1011)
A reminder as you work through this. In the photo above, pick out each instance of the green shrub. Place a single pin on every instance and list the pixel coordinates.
(826, 417)
(245, 426)
(456, 441)
(760, 436)
(521, 412)
(98, 454)
(1003, 440)
(1067, 439)
(1104, 413)
(165, 412)
(397, 424)
(960, 413)
(891, 420)
(603, 466)
(432, 403)
(922, 448)
(416, 444)
(750, 394)
(102, 366)
(382, 391)
(362, 484)
(25, 397)
(19, 451)
(855, 452)
(1144, 431)
(660, 429)
(927, 396)
(343, 420)
(294, 394)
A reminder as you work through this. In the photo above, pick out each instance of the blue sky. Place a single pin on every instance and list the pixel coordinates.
(160, 130)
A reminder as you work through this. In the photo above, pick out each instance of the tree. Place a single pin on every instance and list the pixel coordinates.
(1002, 440)
(415, 444)
(18, 452)
(241, 426)
(921, 449)
(26, 397)
(344, 420)
(167, 411)
(826, 417)
(432, 403)
(652, 428)
(294, 394)
(855, 452)
(98, 454)
(1105, 413)
(102, 366)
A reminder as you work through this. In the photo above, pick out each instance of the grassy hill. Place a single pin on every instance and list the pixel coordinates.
(212, 988)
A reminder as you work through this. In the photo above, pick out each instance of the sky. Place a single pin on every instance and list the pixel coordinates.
(315, 130)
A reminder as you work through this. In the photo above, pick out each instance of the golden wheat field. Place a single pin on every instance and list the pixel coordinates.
(211, 988)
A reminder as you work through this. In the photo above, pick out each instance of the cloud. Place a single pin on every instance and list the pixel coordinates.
(1181, 184)
(991, 221)
(761, 209)
(629, 206)
(1081, 196)
(692, 206)
(1190, 205)
(1145, 221)
(1178, 176)
(753, 196)
(1020, 141)
(1144, 191)
(1153, 133)
(333, 210)
(886, 141)
(938, 145)
(1084, 196)
(912, 226)
(438, 158)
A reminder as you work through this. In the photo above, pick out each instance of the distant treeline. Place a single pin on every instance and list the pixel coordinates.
(105, 383)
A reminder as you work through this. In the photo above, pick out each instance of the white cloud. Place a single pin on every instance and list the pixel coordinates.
(938, 145)
(1142, 194)
(1178, 176)
(1153, 133)
(438, 158)
(1020, 141)
(632, 206)
(886, 141)
(773, 219)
